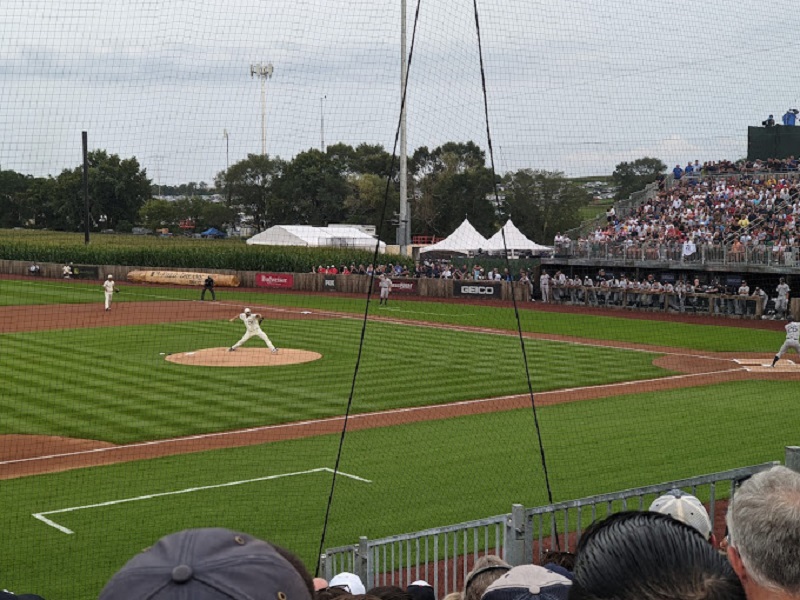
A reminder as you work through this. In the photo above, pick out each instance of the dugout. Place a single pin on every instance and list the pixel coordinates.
(772, 142)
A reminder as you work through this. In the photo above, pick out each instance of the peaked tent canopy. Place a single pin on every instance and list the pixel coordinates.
(463, 240)
(314, 237)
(213, 232)
(515, 241)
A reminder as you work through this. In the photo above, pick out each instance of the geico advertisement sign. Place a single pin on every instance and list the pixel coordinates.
(483, 290)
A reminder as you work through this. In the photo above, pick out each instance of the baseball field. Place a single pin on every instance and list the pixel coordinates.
(119, 427)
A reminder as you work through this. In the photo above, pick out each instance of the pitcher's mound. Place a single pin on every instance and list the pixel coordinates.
(244, 357)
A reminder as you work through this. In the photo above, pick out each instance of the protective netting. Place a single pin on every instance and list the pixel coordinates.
(123, 425)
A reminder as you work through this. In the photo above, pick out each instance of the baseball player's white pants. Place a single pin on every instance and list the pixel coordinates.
(545, 293)
(385, 294)
(109, 295)
(789, 344)
(781, 304)
(249, 334)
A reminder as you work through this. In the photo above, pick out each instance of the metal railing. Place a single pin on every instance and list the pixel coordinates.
(691, 302)
(625, 252)
(442, 556)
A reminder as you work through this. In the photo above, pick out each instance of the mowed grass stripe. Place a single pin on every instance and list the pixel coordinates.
(424, 474)
(714, 338)
(114, 384)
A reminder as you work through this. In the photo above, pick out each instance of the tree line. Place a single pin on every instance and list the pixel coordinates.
(344, 184)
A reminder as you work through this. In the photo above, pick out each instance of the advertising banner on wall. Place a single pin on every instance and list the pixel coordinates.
(275, 280)
(85, 272)
(329, 285)
(477, 289)
(400, 286)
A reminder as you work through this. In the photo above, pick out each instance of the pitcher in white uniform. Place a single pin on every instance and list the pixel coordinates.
(792, 339)
(252, 328)
(108, 289)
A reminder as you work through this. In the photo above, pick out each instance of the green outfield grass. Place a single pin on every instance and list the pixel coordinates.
(714, 338)
(114, 383)
(422, 475)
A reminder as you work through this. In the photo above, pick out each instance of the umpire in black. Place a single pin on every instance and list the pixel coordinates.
(208, 286)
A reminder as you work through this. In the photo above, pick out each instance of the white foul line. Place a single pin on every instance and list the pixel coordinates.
(51, 523)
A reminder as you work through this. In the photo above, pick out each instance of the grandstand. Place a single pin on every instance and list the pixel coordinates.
(711, 225)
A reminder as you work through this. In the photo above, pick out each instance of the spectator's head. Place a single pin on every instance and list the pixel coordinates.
(320, 583)
(687, 509)
(421, 590)
(485, 570)
(650, 556)
(349, 582)
(389, 592)
(764, 534)
(529, 582)
(560, 562)
(209, 564)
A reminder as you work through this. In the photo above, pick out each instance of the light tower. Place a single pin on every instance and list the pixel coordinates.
(264, 72)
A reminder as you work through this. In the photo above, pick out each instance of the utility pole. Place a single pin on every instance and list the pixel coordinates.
(263, 72)
(227, 159)
(404, 226)
(322, 125)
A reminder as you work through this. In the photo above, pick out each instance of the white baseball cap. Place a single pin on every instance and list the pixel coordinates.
(246, 310)
(685, 508)
(110, 276)
(349, 581)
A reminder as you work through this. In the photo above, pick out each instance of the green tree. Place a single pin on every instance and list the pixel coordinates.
(313, 190)
(251, 185)
(15, 210)
(118, 188)
(633, 176)
(364, 202)
(452, 182)
(541, 203)
(157, 213)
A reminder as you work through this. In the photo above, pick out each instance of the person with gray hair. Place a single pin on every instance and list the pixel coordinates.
(764, 534)
(485, 571)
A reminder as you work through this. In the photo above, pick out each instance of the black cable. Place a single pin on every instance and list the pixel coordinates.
(369, 294)
(508, 264)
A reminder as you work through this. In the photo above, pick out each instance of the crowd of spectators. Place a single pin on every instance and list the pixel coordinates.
(738, 214)
(667, 552)
(432, 269)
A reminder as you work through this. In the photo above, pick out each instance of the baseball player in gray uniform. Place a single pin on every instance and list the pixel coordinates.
(252, 324)
(108, 290)
(782, 299)
(792, 339)
(385, 284)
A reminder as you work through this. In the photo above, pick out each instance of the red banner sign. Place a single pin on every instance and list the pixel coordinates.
(275, 280)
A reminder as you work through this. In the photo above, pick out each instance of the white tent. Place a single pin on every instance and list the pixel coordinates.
(515, 241)
(308, 236)
(463, 240)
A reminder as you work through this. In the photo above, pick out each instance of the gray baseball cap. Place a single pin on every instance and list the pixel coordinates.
(207, 564)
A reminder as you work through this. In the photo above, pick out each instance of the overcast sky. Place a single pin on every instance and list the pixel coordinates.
(575, 86)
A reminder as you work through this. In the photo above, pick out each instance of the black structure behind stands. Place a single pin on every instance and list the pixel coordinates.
(772, 142)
